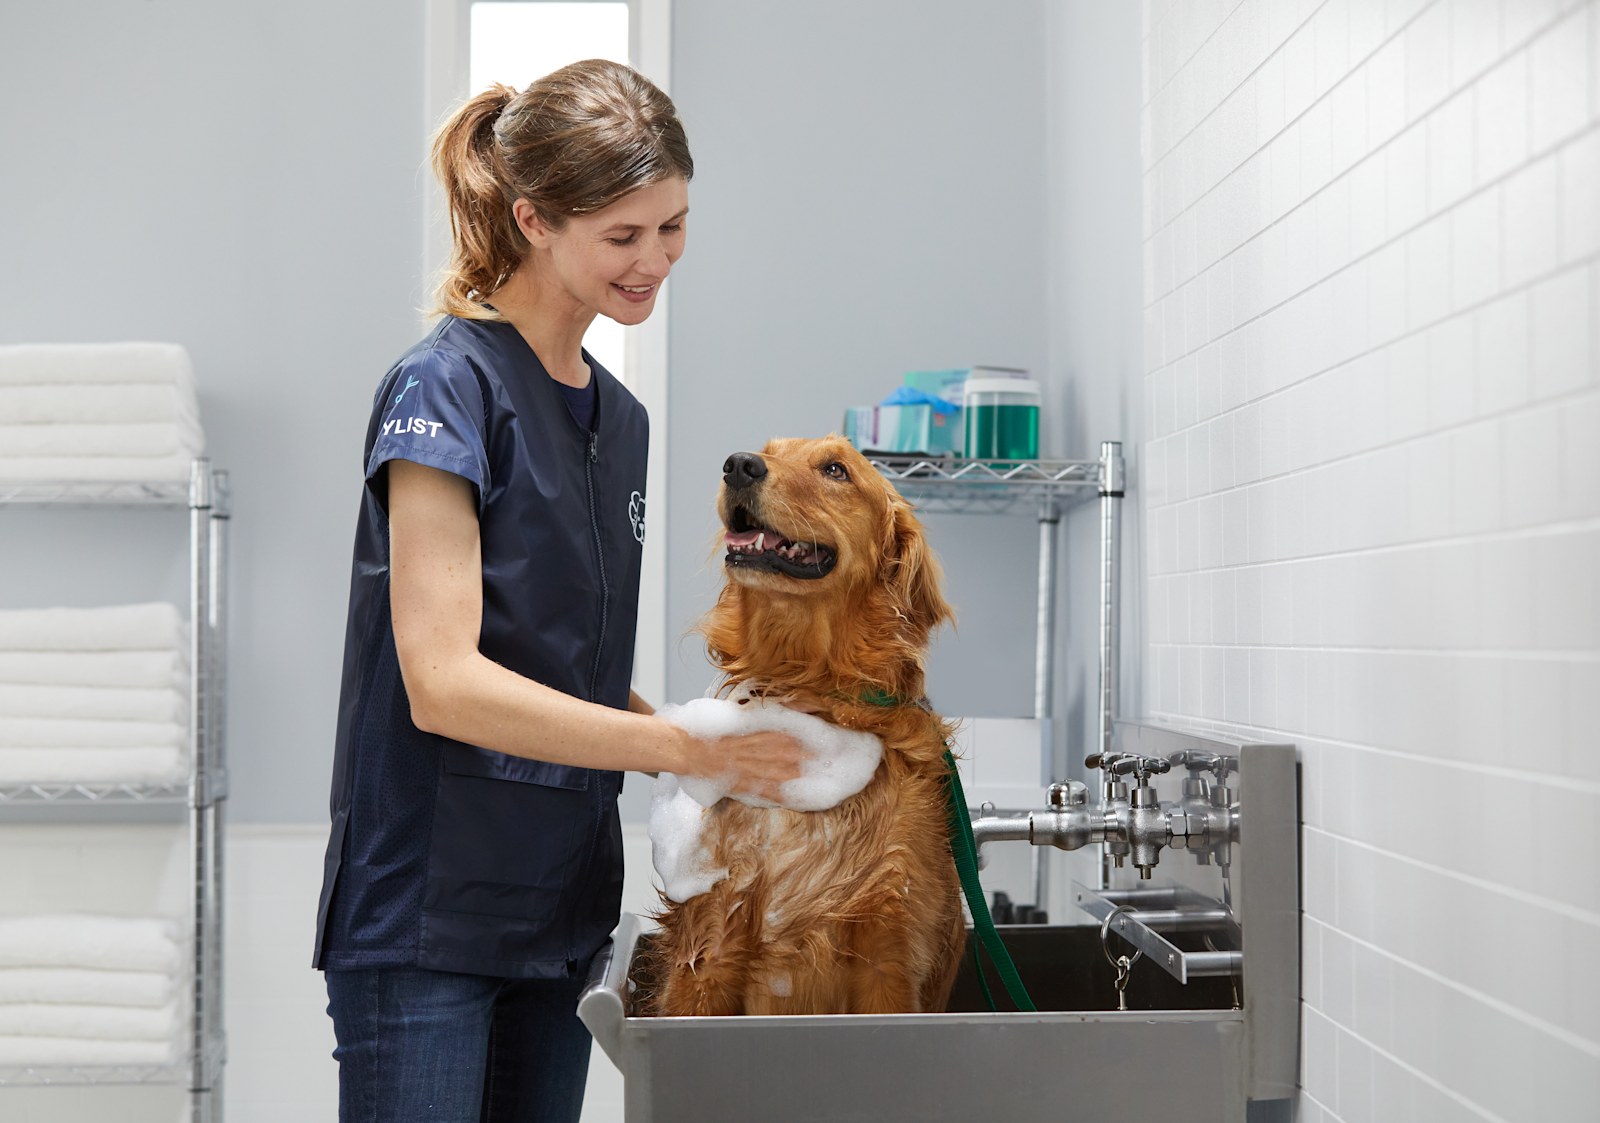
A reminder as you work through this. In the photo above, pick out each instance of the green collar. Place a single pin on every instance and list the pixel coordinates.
(876, 697)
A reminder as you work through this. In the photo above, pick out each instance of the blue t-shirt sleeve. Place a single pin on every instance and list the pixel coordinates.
(431, 412)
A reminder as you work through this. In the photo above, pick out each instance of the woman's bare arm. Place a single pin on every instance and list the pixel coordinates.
(436, 593)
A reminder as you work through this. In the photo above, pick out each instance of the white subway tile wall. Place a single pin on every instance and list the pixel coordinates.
(1371, 493)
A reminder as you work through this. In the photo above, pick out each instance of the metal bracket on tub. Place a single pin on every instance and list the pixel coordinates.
(603, 1004)
(1143, 914)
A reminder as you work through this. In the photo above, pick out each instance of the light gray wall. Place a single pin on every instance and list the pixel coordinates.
(888, 187)
(1094, 326)
(869, 198)
(240, 178)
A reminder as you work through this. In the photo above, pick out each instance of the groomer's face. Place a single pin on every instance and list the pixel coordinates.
(614, 261)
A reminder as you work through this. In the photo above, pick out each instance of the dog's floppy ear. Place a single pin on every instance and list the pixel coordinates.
(912, 574)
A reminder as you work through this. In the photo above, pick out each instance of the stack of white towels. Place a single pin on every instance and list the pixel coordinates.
(78, 989)
(94, 695)
(97, 411)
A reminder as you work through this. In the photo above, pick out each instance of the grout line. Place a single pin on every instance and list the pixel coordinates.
(1553, 152)
(1556, 401)
(1196, 53)
(1543, 530)
(1567, 1037)
(1561, 908)
(1578, 655)
(1476, 1109)
(1524, 289)
(1299, 737)
(1466, 84)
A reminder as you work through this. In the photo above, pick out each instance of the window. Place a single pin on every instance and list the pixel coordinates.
(516, 41)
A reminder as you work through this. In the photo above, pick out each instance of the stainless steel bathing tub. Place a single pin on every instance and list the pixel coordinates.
(1080, 1059)
(1216, 1049)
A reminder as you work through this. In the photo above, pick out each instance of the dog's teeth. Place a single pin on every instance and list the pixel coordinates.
(760, 539)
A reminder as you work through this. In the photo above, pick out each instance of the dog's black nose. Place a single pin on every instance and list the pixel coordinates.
(743, 469)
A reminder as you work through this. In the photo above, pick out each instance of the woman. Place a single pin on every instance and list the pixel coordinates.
(474, 864)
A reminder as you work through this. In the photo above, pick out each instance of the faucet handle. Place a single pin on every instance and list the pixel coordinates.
(1142, 767)
(1214, 763)
(1104, 760)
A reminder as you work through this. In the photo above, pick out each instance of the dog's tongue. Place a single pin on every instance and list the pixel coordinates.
(743, 538)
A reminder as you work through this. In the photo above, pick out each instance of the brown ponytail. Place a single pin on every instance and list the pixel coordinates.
(572, 143)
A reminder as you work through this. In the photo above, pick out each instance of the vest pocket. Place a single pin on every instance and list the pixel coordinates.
(469, 760)
(511, 837)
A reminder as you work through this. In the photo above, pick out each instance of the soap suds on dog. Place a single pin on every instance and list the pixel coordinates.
(838, 764)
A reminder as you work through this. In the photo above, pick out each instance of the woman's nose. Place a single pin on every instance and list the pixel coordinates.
(743, 469)
(654, 260)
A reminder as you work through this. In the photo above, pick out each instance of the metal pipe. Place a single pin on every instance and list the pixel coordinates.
(1011, 828)
(1044, 669)
(1045, 623)
(1181, 920)
(1111, 488)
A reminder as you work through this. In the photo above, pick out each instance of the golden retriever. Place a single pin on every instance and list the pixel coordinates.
(830, 597)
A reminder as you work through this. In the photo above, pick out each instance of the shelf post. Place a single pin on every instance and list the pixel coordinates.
(207, 516)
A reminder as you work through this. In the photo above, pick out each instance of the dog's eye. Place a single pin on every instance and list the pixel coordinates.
(835, 471)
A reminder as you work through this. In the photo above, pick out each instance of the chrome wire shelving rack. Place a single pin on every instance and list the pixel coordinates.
(950, 484)
(92, 493)
(938, 485)
(203, 791)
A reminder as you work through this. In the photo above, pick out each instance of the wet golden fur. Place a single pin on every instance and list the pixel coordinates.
(855, 909)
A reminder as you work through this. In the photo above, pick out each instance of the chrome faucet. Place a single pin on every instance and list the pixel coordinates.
(1132, 822)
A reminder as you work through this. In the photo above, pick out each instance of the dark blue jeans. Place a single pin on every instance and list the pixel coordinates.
(436, 1046)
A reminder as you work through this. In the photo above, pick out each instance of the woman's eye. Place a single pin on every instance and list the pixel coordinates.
(835, 471)
(672, 229)
(628, 241)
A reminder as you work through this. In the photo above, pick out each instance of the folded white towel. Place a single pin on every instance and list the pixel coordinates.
(46, 1051)
(838, 764)
(120, 627)
(96, 668)
(57, 404)
(86, 985)
(96, 469)
(48, 733)
(92, 766)
(110, 1023)
(98, 703)
(108, 439)
(119, 943)
(51, 364)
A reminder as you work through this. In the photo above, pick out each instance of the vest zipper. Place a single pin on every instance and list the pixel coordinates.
(594, 685)
(600, 559)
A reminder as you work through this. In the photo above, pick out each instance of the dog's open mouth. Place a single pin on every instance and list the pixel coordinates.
(752, 546)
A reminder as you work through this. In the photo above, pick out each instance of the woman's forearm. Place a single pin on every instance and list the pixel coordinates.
(470, 698)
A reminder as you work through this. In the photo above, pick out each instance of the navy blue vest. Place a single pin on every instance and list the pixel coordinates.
(445, 855)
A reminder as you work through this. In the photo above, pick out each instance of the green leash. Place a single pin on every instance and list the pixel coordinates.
(965, 849)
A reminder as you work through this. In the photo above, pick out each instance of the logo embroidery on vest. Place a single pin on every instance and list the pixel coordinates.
(401, 426)
(636, 516)
(410, 382)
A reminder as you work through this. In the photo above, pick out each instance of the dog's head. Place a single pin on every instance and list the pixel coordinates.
(812, 522)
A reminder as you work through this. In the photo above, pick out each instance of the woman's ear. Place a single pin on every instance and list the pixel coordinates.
(913, 575)
(533, 227)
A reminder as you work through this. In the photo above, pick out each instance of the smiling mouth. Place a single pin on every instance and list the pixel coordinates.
(752, 546)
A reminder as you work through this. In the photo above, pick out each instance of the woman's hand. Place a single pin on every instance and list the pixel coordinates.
(754, 764)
